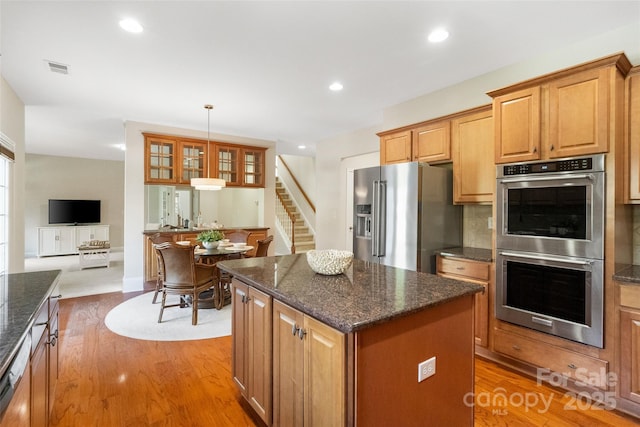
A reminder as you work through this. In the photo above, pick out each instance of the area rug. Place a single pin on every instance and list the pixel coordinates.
(138, 318)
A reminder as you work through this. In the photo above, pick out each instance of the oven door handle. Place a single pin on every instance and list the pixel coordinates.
(547, 258)
(529, 178)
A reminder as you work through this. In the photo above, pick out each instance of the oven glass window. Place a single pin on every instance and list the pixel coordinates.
(553, 291)
(549, 211)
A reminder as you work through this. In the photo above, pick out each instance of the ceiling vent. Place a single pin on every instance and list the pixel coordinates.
(58, 68)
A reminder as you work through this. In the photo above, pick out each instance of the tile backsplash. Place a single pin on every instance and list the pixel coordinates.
(475, 225)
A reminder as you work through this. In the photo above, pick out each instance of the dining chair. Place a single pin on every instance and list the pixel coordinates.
(157, 239)
(183, 276)
(263, 246)
(237, 236)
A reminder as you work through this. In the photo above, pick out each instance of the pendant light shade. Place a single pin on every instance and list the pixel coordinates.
(208, 183)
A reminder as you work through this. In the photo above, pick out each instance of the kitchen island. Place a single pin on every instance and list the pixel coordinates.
(345, 350)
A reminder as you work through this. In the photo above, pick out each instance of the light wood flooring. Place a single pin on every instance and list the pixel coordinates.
(109, 380)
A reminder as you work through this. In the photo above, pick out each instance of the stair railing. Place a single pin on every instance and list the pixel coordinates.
(311, 205)
(287, 220)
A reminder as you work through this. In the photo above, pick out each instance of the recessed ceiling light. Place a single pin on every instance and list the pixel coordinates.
(336, 86)
(438, 35)
(131, 25)
(302, 147)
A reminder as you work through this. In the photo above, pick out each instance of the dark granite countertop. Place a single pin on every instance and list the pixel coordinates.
(627, 273)
(365, 295)
(197, 230)
(476, 254)
(21, 296)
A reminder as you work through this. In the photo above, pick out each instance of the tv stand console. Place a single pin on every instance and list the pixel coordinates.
(64, 239)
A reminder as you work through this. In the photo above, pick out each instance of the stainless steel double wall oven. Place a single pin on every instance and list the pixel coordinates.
(550, 246)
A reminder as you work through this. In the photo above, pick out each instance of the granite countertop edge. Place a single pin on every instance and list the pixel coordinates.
(17, 338)
(344, 324)
(467, 252)
(627, 274)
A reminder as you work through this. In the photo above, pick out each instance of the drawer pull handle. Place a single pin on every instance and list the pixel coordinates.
(294, 329)
(42, 324)
(572, 366)
(301, 333)
(56, 296)
(460, 268)
(516, 347)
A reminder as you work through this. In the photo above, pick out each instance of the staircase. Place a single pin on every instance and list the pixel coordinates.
(304, 239)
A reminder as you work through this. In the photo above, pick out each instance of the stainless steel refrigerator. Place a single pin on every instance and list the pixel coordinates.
(403, 213)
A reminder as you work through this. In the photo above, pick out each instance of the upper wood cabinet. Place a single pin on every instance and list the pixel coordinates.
(562, 114)
(517, 125)
(175, 160)
(474, 177)
(395, 147)
(159, 159)
(632, 137)
(432, 142)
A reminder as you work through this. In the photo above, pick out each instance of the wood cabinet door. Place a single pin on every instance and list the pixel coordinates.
(517, 126)
(477, 272)
(39, 387)
(259, 354)
(395, 148)
(324, 375)
(227, 164)
(474, 172)
(159, 160)
(53, 358)
(192, 159)
(632, 137)
(18, 413)
(253, 165)
(288, 363)
(239, 335)
(432, 142)
(579, 114)
(630, 355)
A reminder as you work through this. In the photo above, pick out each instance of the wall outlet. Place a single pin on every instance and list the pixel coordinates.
(426, 369)
(490, 223)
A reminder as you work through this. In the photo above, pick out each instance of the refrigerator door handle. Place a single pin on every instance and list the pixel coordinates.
(374, 211)
(382, 219)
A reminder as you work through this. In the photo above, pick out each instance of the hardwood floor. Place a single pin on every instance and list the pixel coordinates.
(109, 380)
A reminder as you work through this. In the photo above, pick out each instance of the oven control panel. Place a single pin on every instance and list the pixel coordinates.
(568, 165)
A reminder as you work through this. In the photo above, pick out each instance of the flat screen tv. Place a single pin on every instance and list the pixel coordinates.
(74, 211)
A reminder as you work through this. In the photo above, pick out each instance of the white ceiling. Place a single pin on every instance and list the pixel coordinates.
(265, 65)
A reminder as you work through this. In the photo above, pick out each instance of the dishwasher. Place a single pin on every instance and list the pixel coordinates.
(12, 376)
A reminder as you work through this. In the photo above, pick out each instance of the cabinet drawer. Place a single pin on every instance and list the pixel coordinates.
(39, 325)
(589, 370)
(465, 268)
(630, 296)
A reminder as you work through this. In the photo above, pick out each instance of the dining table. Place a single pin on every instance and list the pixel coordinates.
(212, 256)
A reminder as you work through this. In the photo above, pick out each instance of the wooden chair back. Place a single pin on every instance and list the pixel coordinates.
(263, 246)
(237, 236)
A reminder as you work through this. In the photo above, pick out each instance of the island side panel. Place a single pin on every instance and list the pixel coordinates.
(387, 391)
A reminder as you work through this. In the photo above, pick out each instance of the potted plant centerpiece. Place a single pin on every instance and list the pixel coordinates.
(210, 238)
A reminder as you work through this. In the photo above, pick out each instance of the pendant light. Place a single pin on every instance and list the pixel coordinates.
(208, 183)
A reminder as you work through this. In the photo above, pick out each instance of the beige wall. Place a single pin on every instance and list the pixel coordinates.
(12, 131)
(52, 177)
(330, 224)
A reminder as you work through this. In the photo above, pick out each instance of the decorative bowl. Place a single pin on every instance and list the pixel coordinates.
(329, 262)
(239, 244)
(210, 245)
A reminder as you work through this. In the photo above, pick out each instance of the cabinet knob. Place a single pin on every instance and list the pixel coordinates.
(301, 333)
(294, 329)
(572, 366)
(551, 148)
(516, 347)
(535, 149)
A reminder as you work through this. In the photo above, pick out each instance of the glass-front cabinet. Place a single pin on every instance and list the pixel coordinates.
(192, 161)
(174, 160)
(253, 170)
(159, 159)
(228, 163)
